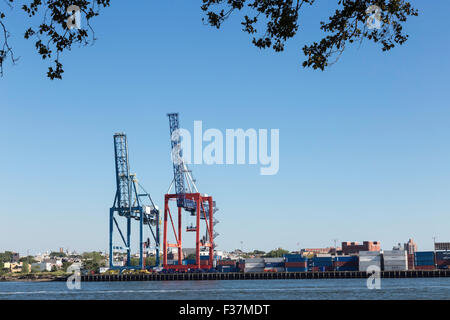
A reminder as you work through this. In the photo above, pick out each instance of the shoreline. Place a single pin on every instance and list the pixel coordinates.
(228, 276)
(32, 278)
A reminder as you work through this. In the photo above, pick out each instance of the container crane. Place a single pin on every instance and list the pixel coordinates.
(188, 198)
(131, 202)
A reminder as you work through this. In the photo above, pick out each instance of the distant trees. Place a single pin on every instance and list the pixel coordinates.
(258, 252)
(29, 260)
(25, 267)
(150, 261)
(6, 256)
(35, 269)
(92, 261)
(57, 255)
(277, 253)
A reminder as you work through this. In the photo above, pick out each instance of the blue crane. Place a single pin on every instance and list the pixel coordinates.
(131, 202)
(180, 168)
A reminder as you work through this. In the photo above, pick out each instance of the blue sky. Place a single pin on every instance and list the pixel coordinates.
(364, 146)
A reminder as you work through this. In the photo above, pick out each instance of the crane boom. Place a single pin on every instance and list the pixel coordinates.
(179, 167)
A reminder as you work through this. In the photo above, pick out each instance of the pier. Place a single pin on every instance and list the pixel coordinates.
(262, 276)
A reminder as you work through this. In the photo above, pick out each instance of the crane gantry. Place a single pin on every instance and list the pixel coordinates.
(188, 198)
(131, 202)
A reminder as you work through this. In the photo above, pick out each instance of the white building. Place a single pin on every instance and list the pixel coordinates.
(42, 266)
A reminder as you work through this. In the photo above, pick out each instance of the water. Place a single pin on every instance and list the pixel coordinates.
(347, 289)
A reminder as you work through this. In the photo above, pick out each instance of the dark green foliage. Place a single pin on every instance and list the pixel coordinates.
(57, 255)
(51, 35)
(6, 256)
(347, 25)
(92, 261)
(277, 253)
(279, 21)
(29, 260)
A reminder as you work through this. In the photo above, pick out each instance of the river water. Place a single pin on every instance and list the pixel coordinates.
(342, 289)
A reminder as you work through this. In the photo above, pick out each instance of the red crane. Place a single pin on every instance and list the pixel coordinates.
(187, 198)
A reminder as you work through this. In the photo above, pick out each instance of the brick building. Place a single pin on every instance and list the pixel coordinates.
(355, 247)
(410, 246)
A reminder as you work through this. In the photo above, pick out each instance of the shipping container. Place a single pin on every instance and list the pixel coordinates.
(424, 267)
(369, 253)
(395, 268)
(226, 262)
(254, 260)
(394, 253)
(255, 265)
(296, 269)
(347, 268)
(322, 262)
(274, 270)
(296, 259)
(296, 265)
(189, 262)
(346, 258)
(424, 258)
(443, 258)
(293, 256)
(274, 260)
(364, 265)
(253, 270)
(275, 265)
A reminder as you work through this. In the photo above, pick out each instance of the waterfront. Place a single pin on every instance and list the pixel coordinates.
(318, 289)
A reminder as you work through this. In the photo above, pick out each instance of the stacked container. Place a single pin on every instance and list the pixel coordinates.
(231, 263)
(295, 263)
(321, 264)
(254, 265)
(204, 260)
(369, 258)
(443, 259)
(395, 260)
(227, 269)
(345, 263)
(424, 260)
(274, 264)
(189, 262)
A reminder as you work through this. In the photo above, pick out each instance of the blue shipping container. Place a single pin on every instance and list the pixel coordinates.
(293, 256)
(296, 269)
(346, 258)
(296, 259)
(346, 268)
(274, 265)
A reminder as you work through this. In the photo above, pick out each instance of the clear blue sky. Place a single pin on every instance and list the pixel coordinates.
(364, 145)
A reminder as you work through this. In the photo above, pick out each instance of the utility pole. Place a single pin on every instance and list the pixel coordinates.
(335, 254)
(434, 250)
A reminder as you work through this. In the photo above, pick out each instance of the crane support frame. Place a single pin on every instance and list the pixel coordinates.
(204, 211)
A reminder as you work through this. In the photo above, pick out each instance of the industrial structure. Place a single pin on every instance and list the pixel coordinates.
(131, 202)
(188, 199)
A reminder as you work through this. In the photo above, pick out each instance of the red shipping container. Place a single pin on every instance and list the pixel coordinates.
(296, 264)
(226, 262)
(424, 267)
(345, 264)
